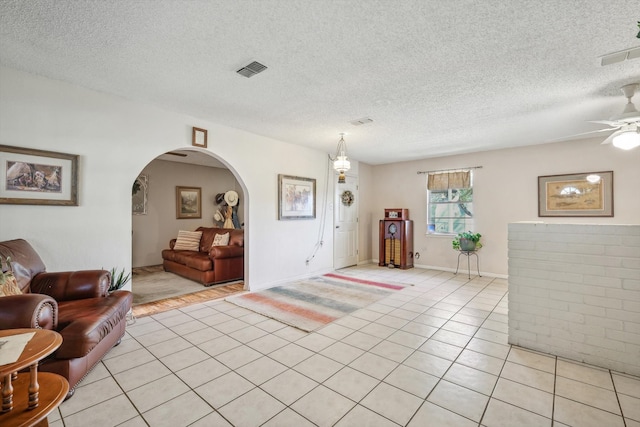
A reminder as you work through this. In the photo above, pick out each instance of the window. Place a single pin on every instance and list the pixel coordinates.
(449, 202)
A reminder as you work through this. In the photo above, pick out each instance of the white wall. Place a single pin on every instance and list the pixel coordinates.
(152, 232)
(367, 219)
(115, 139)
(574, 292)
(505, 190)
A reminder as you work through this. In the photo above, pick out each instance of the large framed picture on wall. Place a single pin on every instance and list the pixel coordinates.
(296, 197)
(577, 194)
(38, 177)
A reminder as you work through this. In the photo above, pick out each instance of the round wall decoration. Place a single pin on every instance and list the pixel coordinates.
(347, 198)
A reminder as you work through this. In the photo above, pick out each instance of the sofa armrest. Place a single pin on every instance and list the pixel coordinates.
(28, 311)
(72, 285)
(220, 252)
(172, 243)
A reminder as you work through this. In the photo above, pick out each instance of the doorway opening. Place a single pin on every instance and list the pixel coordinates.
(345, 237)
(158, 216)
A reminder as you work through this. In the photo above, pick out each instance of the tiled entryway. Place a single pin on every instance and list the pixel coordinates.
(434, 354)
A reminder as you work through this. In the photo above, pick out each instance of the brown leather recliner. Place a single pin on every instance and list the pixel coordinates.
(76, 304)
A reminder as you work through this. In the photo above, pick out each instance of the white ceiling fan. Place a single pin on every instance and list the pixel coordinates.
(626, 126)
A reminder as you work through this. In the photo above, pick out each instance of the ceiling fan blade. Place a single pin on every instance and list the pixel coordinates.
(609, 139)
(632, 127)
(606, 122)
(577, 135)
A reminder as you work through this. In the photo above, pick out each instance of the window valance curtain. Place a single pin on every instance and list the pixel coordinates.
(446, 180)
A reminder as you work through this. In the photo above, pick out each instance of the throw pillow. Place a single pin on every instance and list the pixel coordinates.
(9, 285)
(221, 240)
(188, 241)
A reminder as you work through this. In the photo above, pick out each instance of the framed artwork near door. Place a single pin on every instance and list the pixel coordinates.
(296, 197)
(38, 177)
(188, 202)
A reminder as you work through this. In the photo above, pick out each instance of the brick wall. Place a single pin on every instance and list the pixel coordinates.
(574, 291)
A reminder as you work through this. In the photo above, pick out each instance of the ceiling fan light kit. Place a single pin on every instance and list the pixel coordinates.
(627, 139)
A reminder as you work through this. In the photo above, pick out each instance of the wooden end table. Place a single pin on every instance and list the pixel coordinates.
(28, 398)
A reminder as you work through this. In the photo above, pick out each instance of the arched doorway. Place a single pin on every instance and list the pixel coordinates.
(155, 220)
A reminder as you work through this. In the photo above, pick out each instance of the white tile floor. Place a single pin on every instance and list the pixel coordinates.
(434, 354)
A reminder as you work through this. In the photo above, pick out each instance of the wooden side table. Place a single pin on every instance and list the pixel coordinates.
(27, 398)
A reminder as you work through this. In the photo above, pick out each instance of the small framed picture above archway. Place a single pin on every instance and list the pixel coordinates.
(199, 137)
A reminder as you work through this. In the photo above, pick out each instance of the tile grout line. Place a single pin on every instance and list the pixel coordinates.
(504, 363)
(615, 390)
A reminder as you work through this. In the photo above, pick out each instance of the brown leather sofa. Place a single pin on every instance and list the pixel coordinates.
(211, 265)
(76, 304)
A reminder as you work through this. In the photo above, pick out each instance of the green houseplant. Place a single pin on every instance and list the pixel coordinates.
(118, 280)
(467, 241)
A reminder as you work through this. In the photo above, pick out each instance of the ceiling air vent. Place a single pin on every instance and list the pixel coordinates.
(623, 55)
(362, 121)
(251, 69)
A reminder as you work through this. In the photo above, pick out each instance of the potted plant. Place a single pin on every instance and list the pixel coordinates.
(467, 241)
(118, 280)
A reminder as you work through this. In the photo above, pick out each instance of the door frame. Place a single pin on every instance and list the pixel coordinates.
(336, 200)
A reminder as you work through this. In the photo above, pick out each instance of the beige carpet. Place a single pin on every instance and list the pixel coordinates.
(160, 285)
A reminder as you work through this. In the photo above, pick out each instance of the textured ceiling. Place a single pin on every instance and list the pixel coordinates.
(436, 77)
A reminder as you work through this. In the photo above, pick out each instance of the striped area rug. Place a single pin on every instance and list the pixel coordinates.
(312, 303)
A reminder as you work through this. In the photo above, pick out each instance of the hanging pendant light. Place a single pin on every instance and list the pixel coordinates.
(341, 163)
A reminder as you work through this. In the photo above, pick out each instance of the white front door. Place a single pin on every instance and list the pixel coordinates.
(345, 234)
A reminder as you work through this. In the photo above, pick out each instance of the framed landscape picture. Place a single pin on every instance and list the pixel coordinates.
(296, 197)
(188, 202)
(579, 194)
(38, 177)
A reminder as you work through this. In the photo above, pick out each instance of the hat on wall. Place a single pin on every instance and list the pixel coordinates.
(218, 216)
(231, 197)
(219, 198)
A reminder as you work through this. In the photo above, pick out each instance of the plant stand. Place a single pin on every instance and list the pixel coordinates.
(468, 255)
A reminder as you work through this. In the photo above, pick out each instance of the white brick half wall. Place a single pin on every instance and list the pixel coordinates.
(574, 292)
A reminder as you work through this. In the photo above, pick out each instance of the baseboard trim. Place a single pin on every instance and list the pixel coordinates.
(447, 269)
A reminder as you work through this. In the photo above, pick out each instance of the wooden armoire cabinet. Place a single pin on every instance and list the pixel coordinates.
(396, 239)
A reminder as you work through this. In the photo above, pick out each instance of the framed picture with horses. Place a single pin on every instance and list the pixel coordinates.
(38, 177)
